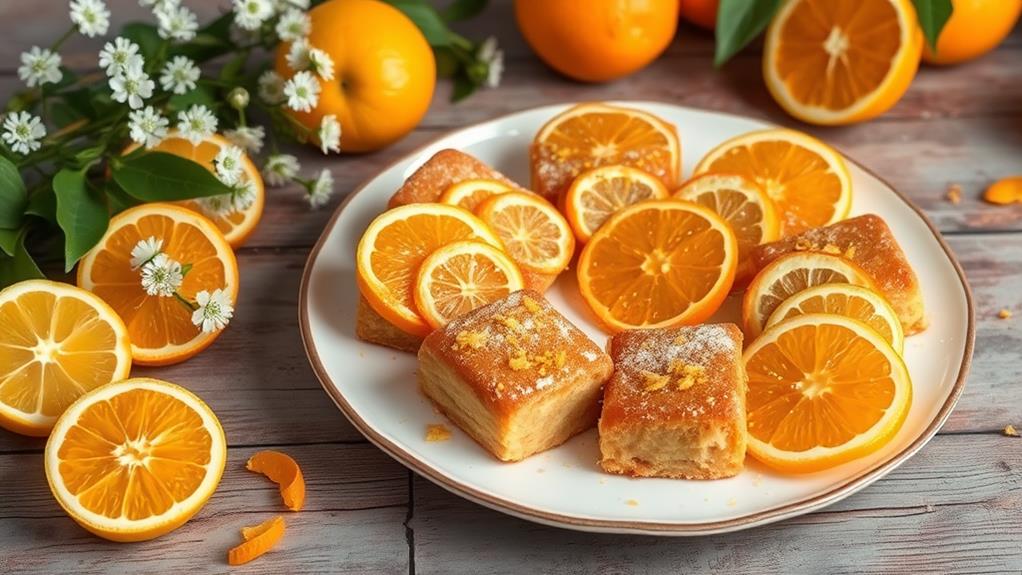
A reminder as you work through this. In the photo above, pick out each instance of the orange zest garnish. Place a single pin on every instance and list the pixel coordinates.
(258, 540)
(283, 471)
(1005, 191)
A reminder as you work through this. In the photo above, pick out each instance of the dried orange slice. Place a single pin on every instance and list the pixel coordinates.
(56, 343)
(597, 194)
(658, 263)
(258, 540)
(135, 459)
(283, 471)
(462, 276)
(393, 247)
(823, 390)
(592, 135)
(469, 194)
(849, 300)
(837, 63)
(160, 328)
(790, 274)
(533, 232)
(807, 179)
(742, 204)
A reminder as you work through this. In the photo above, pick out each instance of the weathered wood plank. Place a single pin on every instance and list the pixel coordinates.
(943, 511)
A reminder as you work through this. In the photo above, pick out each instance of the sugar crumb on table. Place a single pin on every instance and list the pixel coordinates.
(1009, 431)
(437, 432)
(954, 194)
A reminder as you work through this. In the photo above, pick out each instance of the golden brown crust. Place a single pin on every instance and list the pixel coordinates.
(444, 169)
(372, 327)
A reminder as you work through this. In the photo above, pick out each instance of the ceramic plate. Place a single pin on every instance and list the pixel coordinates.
(375, 387)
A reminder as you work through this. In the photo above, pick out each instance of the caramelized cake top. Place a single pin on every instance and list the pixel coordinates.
(444, 169)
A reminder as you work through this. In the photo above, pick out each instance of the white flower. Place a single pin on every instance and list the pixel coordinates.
(91, 16)
(293, 25)
(119, 55)
(39, 66)
(217, 206)
(196, 123)
(161, 276)
(248, 137)
(215, 310)
(271, 87)
(250, 14)
(22, 132)
(285, 4)
(179, 75)
(243, 196)
(321, 63)
(228, 165)
(298, 55)
(302, 92)
(494, 60)
(148, 127)
(175, 22)
(321, 190)
(132, 86)
(144, 251)
(330, 134)
(280, 169)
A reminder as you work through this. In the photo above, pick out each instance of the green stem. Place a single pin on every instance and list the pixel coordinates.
(60, 41)
(185, 302)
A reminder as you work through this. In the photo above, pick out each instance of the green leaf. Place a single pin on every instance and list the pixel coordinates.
(426, 18)
(12, 195)
(18, 266)
(463, 88)
(146, 36)
(463, 9)
(81, 213)
(8, 241)
(933, 15)
(118, 198)
(42, 203)
(162, 177)
(738, 23)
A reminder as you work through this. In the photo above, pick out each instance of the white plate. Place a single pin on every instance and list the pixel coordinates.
(375, 386)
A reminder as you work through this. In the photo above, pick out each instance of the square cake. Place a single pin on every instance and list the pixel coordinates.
(675, 406)
(444, 169)
(515, 375)
(372, 327)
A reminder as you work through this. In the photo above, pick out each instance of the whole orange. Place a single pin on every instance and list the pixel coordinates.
(702, 13)
(975, 28)
(597, 40)
(384, 72)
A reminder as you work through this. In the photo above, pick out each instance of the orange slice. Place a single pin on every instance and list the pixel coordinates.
(258, 540)
(283, 471)
(135, 459)
(393, 247)
(592, 135)
(849, 300)
(1005, 191)
(597, 194)
(789, 275)
(56, 343)
(823, 390)
(742, 204)
(808, 180)
(831, 63)
(658, 263)
(469, 194)
(160, 328)
(462, 276)
(533, 232)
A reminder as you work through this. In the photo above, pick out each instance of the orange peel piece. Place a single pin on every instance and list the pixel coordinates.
(258, 540)
(1005, 191)
(284, 471)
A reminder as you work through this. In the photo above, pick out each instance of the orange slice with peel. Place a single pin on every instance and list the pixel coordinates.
(258, 540)
(597, 194)
(469, 194)
(533, 232)
(284, 471)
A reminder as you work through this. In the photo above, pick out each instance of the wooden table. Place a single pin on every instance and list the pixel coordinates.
(956, 506)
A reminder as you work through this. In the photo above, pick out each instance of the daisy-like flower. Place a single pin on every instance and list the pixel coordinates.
(39, 66)
(175, 22)
(329, 134)
(321, 189)
(148, 126)
(285, 4)
(22, 132)
(217, 206)
(119, 55)
(161, 276)
(298, 55)
(179, 75)
(280, 169)
(494, 60)
(132, 86)
(196, 123)
(271, 87)
(215, 310)
(228, 165)
(302, 92)
(243, 196)
(250, 14)
(91, 16)
(247, 137)
(321, 63)
(293, 25)
(144, 251)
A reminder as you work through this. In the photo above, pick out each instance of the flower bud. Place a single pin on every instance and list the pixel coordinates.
(238, 98)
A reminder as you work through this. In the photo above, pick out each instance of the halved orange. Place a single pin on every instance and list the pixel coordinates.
(533, 232)
(135, 459)
(658, 263)
(461, 276)
(808, 180)
(56, 343)
(282, 470)
(590, 135)
(823, 390)
(258, 540)
(393, 247)
(743, 205)
(790, 274)
(469, 194)
(160, 328)
(828, 62)
(597, 194)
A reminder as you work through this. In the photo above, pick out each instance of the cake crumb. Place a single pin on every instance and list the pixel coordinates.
(689, 375)
(954, 194)
(832, 250)
(472, 339)
(732, 502)
(530, 305)
(680, 340)
(518, 361)
(1009, 431)
(632, 503)
(655, 381)
(804, 244)
(437, 432)
(1005, 313)
(540, 470)
(362, 354)
(508, 322)
(850, 252)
